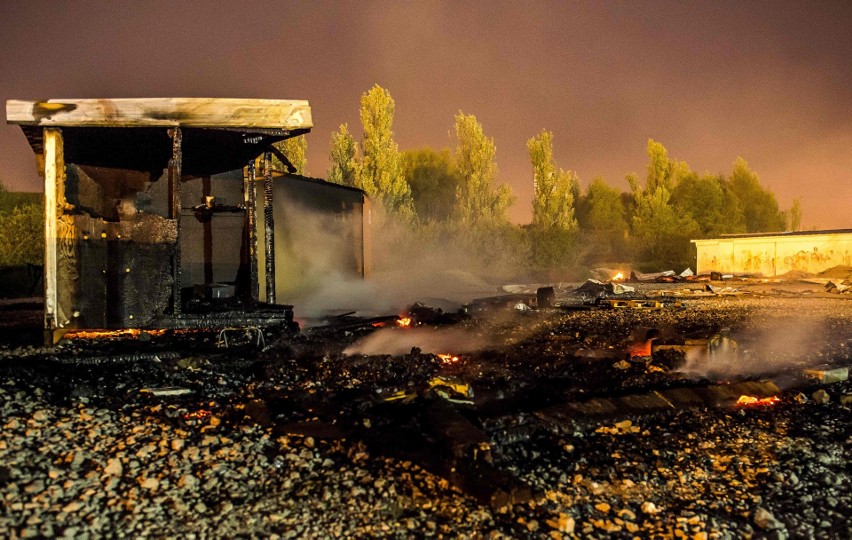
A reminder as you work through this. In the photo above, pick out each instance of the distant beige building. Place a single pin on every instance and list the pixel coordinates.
(775, 254)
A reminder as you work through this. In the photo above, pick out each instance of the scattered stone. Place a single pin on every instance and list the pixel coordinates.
(821, 397)
(563, 523)
(623, 425)
(649, 508)
(150, 483)
(626, 514)
(114, 467)
(764, 519)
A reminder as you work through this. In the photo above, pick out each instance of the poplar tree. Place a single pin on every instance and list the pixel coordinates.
(794, 216)
(477, 200)
(381, 173)
(344, 158)
(759, 206)
(661, 229)
(553, 199)
(433, 180)
(296, 150)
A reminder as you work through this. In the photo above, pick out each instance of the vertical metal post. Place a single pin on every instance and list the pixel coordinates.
(175, 171)
(269, 227)
(249, 186)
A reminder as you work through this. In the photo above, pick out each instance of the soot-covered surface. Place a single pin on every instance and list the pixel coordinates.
(538, 424)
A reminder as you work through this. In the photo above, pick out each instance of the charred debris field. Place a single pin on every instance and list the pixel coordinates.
(686, 415)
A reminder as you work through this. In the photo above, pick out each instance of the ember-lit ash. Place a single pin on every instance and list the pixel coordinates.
(751, 401)
(174, 436)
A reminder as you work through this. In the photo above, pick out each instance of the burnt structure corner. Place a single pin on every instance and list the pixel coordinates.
(151, 216)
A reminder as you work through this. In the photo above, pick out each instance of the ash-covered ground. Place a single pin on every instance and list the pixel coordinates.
(536, 429)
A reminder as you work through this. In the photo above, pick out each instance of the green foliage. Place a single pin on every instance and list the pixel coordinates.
(659, 167)
(553, 200)
(477, 200)
(22, 235)
(601, 214)
(9, 200)
(602, 209)
(794, 216)
(494, 249)
(344, 158)
(661, 231)
(433, 180)
(380, 173)
(554, 252)
(710, 202)
(458, 203)
(21, 228)
(760, 209)
(296, 150)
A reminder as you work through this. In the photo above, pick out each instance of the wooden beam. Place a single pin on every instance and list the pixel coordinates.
(175, 171)
(168, 112)
(269, 227)
(249, 187)
(54, 172)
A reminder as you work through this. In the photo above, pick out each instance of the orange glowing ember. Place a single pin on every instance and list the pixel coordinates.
(103, 334)
(448, 358)
(753, 401)
(200, 414)
(404, 322)
(643, 348)
(617, 277)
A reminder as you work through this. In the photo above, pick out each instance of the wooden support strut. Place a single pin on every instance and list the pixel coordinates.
(249, 187)
(269, 227)
(175, 171)
(53, 162)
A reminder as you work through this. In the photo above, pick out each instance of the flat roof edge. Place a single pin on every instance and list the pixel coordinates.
(162, 112)
(321, 181)
(772, 235)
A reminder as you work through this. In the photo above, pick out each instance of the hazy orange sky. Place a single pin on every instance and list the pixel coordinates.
(768, 81)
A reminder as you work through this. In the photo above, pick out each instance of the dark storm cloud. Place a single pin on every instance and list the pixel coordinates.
(769, 81)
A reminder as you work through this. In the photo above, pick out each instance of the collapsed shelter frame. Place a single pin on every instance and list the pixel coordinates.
(114, 171)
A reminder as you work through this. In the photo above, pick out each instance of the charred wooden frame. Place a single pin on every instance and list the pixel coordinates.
(130, 213)
(269, 227)
(251, 229)
(175, 166)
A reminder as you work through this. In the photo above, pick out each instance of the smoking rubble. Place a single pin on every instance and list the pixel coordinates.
(298, 439)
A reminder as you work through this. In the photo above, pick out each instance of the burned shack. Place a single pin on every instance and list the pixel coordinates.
(166, 213)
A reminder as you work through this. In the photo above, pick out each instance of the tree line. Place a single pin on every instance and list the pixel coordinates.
(457, 190)
(453, 196)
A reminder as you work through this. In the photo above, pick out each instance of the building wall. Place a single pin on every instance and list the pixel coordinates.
(774, 255)
(319, 236)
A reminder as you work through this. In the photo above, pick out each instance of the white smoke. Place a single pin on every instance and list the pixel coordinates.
(397, 341)
(766, 349)
(409, 265)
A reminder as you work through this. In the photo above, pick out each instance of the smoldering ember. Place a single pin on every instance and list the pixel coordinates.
(165, 386)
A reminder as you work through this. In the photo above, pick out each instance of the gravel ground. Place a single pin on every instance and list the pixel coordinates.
(108, 461)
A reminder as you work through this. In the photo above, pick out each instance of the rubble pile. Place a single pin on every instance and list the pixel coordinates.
(565, 423)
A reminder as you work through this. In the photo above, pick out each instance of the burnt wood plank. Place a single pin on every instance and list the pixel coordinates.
(171, 112)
